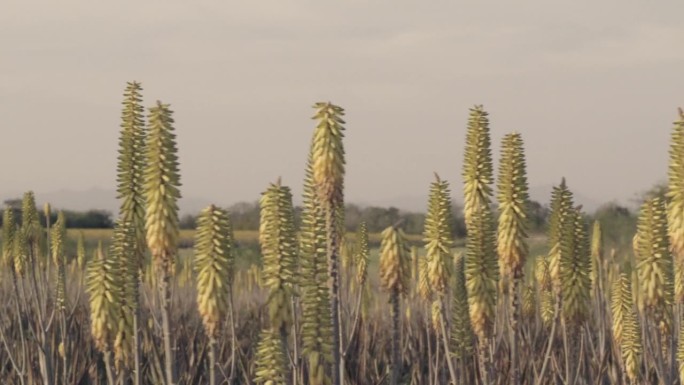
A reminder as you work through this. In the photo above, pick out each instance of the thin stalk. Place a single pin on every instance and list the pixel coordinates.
(445, 340)
(438, 356)
(17, 306)
(48, 248)
(233, 341)
(165, 297)
(355, 325)
(660, 361)
(429, 348)
(295, 344)
(566, 352)
(212, 361)
(333, 268)
(64, 352)
(513, 331)
(395, 308)
(44, 353)
(11, 356)
(549, 346)
(107, 357)
(484, 360)
(137, 344)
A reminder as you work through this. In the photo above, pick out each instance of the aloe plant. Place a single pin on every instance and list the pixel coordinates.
(316, 323)
(104, 287)
(58, 238)
(512, 232)
(438, 244)
(279, 249)
(461, 330)
(131, 193)
(270, 360)
(477, 164)
(328, 164)
(161, 191)
(626, 327)
(481, 268)
(395, 273)
(655, 278)
(675, 205)
(214, 262)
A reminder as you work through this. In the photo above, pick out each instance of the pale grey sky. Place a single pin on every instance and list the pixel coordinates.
(593, 86)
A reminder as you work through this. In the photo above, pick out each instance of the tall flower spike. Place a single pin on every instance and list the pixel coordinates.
(104, 288)
(544, 290)
(437, 236)
(513, 200)
(395, 272)
(80, 251)
(654, 264)
(675, 207)
(161, 183)
(424, 288)
(57, 238)
(9, 229)
(21, 251)
(271, 364)
(31, 227)
(123, 243)
(30, 219)
(574, 269)
(316, 325)
(461, 330)
(529, 302)
(328, 163)
(278, 247)
(214, 263)
(596, 255)
(618, 297)
(625, 326)
(130, 192)
(214, 266)
(561, 213)
(362, 254)
(477, 164)
(327, 154)
(481, 273)
(131, 166)
(512, 233)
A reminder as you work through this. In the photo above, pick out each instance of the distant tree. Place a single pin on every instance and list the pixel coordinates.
(618, 224)
(538, 215)
(188, 221)
(458, 226)
(244, 215)
(14, 203)
(91, 219)
(658, 189)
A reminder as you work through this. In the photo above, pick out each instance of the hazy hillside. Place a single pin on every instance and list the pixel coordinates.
(96, 198)
(104, 199)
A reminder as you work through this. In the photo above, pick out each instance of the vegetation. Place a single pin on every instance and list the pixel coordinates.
(329, 293)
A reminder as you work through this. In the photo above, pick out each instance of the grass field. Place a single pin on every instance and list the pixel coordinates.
(250, 239)
(92, 236)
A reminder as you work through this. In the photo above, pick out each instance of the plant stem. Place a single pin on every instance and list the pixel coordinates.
(165, 297)
(445, 339)
(394, 304)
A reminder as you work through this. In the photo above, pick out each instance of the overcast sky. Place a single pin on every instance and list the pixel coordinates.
(593, 87)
